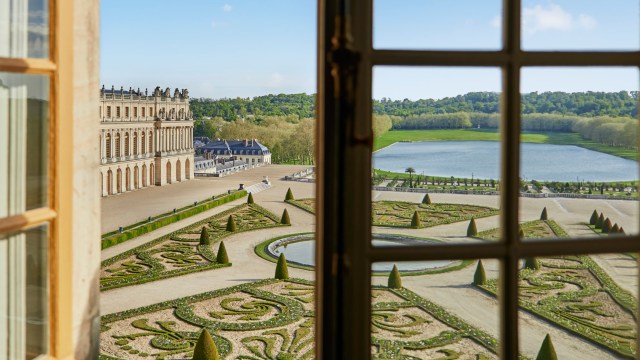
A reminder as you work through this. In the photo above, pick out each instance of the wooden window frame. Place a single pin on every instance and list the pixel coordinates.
(58, 214)
(344, 253)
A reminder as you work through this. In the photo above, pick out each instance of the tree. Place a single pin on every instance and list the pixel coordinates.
(606, 226)
(472, 230)
(204, 236)
(395, 281)
(615, 228)
(222, 257)
(426, 199)
(594, 218)
(415, 220)
(621, 231)
(547, 351)
(480, 278)
(282, 271)
(289, 195)
(600, 221)
(231, 224)
(205, 347)
(521, 234)
(285, 218)
(543, 215)
(410, 170)
(531, 263)
(250, 199)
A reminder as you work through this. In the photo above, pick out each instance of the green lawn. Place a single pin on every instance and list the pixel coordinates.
(394, 136)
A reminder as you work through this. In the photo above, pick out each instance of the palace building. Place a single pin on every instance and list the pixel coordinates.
(146, 140)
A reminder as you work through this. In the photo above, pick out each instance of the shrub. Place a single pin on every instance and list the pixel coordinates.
(415, 220)
(472, 230)
(282, 271)
(250, 199)
(231, 224)
(289, 195)
(594, 218)
(521, 234)
(543, 215)
(621, 231)
(600, 221)
(426, 199)
(615, 228)
(204, 236)
(606, 226)
(547, 352)
(531, 263)
(480, 278)
(205, 347)
(285, 218)
(395, 281)
(222, 257)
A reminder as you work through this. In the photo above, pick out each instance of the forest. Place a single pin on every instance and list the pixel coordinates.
(285, 122)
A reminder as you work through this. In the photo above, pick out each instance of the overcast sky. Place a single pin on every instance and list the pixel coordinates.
(246, 48)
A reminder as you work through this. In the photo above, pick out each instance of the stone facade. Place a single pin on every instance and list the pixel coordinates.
(146, 140)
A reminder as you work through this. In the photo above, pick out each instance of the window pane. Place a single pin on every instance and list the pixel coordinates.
(436, 160)
(580, 25)
(24, 28)
(586, 304)
(24, 140)
(24, 294)
(579, 152)
(434, 316)
(419, 24)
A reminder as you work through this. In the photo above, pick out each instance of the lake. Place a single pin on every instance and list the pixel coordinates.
(543, 162)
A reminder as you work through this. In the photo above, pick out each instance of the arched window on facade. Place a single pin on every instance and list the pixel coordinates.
(107, 140)
(135, 143)
(118, 145)
(126, 144)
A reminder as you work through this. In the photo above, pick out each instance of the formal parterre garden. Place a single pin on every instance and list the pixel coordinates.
(575, 293)
(399, 213)
(180, 252)
(274, 319)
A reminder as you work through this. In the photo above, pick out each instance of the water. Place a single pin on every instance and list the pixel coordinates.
(303, 252)
(542, 162)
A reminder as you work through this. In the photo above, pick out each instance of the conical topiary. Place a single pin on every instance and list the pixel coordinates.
(205, 347)
(621, 231)
(395, 282)
(426, 199)
(531, 263)
(250, 199)
(285, 218)
(594, 218)
(415, 220)
(282, 271)
(204, 236)
(231, 224)
(606, 226)
(600, 221)
(472, 230)
(222, 257)
(543, 215)
(480, 278)
(521, 234)
(547, 352)
(289, 195)
(615, 228)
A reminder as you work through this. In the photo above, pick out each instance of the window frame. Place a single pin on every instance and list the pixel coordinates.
(58, 214)
(346, 58)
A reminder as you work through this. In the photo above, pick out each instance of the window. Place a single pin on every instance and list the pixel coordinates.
(150, 111)
(107, 140)
(117, 111)
(126, 111)
(143, 147)
(344, 131)
(118, 145)
(143, 111)
(135, 143)
(135, 112)
(126, 144)
(108, 111)
(150, 142)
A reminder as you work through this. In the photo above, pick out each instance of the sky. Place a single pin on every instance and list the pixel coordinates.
(247, 48)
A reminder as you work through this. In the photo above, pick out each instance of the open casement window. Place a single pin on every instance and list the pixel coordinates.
(344, 252)
(35, 178)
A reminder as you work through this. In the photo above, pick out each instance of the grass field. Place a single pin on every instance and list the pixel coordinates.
(394, 136)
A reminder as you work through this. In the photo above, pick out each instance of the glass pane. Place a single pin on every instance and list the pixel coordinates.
(580, 25)
(436, 159)
(585, 304)
(579, 152)
(441, 315)
(24, 28)
(24, 141)
(24, 294)
(419, 24)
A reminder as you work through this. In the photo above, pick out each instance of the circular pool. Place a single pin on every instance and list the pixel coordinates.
(300, 250)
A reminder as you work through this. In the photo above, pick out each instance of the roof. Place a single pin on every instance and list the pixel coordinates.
(236, 147)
